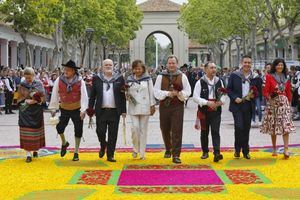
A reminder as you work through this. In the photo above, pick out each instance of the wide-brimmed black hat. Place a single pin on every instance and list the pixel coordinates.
(71, 64)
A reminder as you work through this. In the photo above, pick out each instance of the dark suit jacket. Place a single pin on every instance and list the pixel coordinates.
(97, 95)
(234, 88)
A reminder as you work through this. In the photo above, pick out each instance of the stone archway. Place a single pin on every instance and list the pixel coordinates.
(163, 51)
(160, 16)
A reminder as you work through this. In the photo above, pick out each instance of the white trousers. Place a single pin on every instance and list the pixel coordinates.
(139, 133)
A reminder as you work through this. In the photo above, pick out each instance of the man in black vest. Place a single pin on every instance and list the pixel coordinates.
(209, 109)
(239, 87)
(108, 99)
(9, 90)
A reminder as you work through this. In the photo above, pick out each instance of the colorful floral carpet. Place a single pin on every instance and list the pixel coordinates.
(52, 177)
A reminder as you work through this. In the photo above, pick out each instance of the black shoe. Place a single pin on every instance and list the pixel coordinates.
(167, 154)
(218, 157)
(176, 160)
(247, 156)
(111, 160)
(11, 112)
(204, 155)
(101, 153)
(28, 159)
(237, 154)
(76, 157)
(35, 154)
(63, 150)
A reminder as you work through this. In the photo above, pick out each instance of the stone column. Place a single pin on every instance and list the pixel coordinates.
(199, 62)
(22, 54)
(31, 49)
(49, 59)
(44, 57)
(4, 52)
(14, 54)
(37, 61)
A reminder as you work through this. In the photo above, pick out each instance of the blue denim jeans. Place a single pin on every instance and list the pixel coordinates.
(257, 110)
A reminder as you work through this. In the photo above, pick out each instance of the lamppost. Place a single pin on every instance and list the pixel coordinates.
(104, 41)
(113, 48)
(119, 50)
(89, 34)
(238, 41)
(222, 45)
(266, 37)
(210, 52)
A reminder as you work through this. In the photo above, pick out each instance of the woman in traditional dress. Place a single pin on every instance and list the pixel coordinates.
(141, 105)
(31, 119)
(278, 116)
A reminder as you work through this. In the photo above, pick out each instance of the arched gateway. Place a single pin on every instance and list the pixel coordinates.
(160, 16)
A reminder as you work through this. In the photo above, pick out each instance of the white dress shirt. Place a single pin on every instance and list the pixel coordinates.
(211, 94)
(108, 100)
(54, 102)
(183, 95)
(246, 86)
(6, 81)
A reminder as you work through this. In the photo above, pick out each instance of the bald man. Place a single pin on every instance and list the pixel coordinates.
(109, 103)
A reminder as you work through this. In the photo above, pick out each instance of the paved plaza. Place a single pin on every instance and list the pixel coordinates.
(10, 133)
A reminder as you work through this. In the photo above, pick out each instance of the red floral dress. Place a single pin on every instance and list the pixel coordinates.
(278, 116)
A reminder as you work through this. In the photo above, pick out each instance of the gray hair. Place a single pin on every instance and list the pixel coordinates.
(29, 71)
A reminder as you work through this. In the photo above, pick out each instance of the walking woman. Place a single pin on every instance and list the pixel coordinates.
(31, 119)
(141, 105)
(278, 117)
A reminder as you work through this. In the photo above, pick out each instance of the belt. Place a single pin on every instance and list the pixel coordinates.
(108, 108)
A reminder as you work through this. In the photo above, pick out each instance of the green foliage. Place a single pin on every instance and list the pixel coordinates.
(209, 21)
(32, 16)
(115, 19)
(150, 48)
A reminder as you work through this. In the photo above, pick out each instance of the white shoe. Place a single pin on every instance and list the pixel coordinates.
(134, 154)
(142, 158)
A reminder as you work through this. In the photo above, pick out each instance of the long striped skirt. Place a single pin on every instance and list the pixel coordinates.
(32, 139)
(32, 131)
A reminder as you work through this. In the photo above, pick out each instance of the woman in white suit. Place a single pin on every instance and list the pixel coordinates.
(141, 105)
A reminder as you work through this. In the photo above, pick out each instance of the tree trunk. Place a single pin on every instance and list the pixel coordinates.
(272, 43)
(82, 46)
(57, 37)
(253, 44)
(291, 41)
(276, 22)
(28, 54)
(229, 53)
(96, 55)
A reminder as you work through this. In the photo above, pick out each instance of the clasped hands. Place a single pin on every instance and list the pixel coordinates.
(214, 105)
(173, 93)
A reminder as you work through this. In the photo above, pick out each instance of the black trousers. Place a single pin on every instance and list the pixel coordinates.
(64, 118)
(242, 125)
(213, 121)
(8, 101)
(108, 121)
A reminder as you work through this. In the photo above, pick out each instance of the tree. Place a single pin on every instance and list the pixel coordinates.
(150, 49)
(116, 19)
(31, 16)
(217, 20)
(289, 11)
(211, 22)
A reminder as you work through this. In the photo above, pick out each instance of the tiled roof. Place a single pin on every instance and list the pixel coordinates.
(159, 6)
